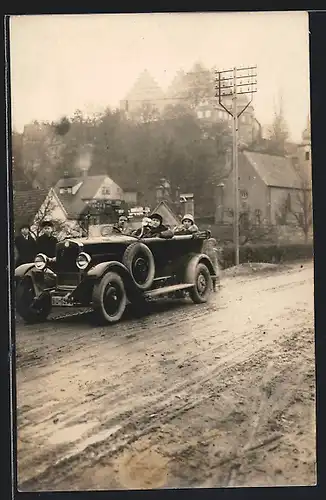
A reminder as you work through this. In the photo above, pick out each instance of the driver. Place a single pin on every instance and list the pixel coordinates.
(122, 226)
(153, 226)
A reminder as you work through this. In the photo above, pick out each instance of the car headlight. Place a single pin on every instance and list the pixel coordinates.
(83, 260)
(40, 261)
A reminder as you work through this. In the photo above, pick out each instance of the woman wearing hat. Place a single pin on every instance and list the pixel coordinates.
(187, 226)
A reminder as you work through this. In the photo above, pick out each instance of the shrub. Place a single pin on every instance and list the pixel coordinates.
(271, 253)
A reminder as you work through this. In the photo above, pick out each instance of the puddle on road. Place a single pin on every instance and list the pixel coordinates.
(70, 434)
(96, 438)
(76, 432)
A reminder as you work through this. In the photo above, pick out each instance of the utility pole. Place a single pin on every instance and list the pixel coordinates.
(231, 83)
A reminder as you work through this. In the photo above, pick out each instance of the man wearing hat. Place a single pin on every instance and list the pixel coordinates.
(153, 226)
(187, 226)
(46, 243)
(25, 245)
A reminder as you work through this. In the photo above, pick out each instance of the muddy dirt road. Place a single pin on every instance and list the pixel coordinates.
(212, 395)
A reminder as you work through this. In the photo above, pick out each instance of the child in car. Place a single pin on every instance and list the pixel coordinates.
(187, 226)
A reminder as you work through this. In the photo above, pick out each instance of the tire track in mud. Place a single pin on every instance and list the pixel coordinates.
(171, 404)
(206, 355)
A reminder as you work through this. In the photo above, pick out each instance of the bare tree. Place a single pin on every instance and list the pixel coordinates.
(299, 207)
(304, 217)
(278, 131)
(62, 228)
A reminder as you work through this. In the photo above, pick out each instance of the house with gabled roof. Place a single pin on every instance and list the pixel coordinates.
(270, 191)
(73, 199)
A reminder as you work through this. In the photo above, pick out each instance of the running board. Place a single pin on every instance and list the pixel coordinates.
(168, 289)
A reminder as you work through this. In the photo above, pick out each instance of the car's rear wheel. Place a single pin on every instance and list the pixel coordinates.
(202, 281)
(109, 299)
(27, 310)
(139, 261)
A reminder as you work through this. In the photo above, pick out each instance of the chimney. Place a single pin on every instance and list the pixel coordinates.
(84, 173)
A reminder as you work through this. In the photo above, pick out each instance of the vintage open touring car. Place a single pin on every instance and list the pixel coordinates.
(107, 273)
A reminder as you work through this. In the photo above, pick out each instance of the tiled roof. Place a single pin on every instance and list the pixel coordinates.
(26, 205)
(73, 203)
(274, 170)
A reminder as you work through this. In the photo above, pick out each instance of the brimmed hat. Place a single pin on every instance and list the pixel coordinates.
(23, 226)
(123, 218)
(157, 216)
(188, 217)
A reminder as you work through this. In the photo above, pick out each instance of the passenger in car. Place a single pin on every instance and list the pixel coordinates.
(187, 226)
(153, 226)
(122, 226)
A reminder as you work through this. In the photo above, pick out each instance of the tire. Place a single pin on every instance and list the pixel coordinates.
(202, 281)
(109, 299)
(24, 297)
(140, 263)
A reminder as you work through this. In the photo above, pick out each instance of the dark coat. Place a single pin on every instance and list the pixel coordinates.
(26, 249)
(118, 230)
(47, 245)
(150, 232)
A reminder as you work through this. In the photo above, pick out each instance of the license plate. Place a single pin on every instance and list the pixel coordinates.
(61, 302)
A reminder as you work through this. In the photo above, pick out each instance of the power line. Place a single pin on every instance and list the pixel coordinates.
(231, 90)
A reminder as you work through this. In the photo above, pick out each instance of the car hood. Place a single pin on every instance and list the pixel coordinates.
(102, 239)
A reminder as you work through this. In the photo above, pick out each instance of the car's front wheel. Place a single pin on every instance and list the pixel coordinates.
(202, 281)
(109, 298)
(29, 310)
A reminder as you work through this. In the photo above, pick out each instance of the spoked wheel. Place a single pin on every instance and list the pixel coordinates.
(28, 310)
(202, 284)
(109, 299)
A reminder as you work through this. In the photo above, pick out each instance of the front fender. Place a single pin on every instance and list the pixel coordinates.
(99, 270)
(194, 261)
(23, 269)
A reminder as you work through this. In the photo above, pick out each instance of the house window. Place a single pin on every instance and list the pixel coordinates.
(244, 194)
(200, 114)
(65, 190)
(106, 191)
(307, 155)
(208, 113)
(258, 217)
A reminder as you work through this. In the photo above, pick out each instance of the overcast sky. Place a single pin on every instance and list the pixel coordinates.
(60, 63)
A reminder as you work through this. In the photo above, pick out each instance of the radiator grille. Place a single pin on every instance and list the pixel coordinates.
(72, 279)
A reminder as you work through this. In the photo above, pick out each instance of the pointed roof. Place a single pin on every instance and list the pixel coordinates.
(169, 217)
(145, 88)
